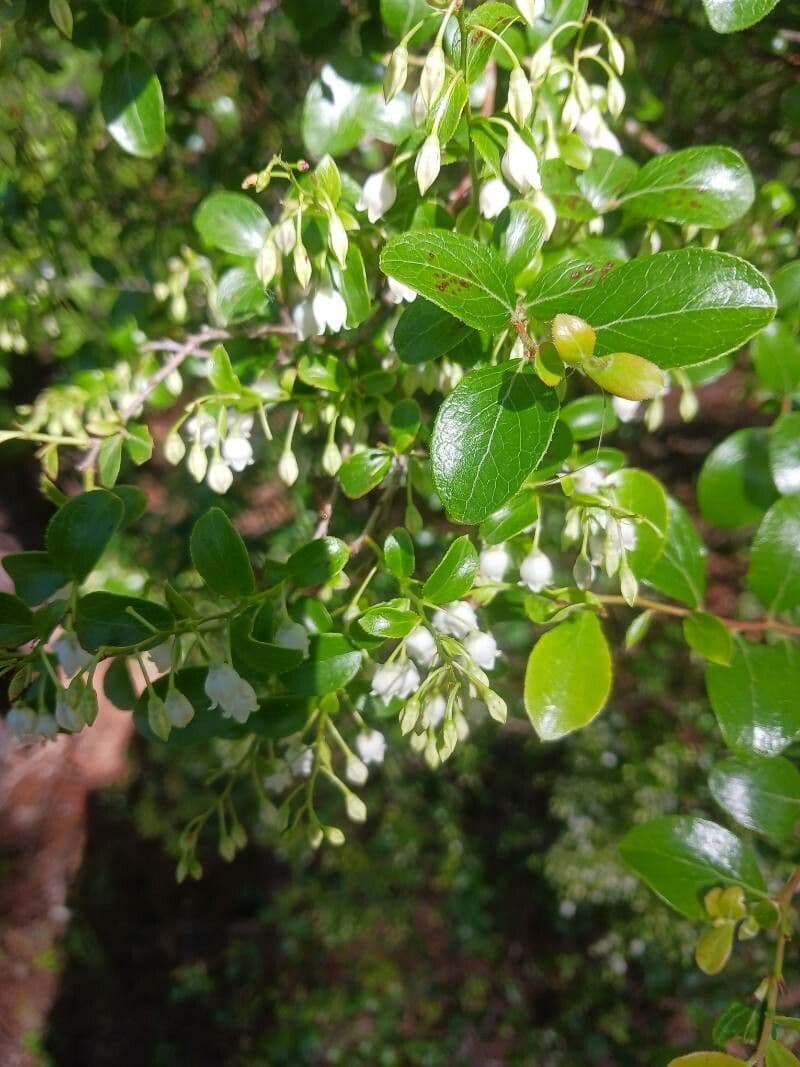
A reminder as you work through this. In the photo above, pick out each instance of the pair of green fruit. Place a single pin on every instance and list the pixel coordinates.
(621, 373)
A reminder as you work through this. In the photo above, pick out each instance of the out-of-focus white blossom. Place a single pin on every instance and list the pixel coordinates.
(378, 195)
(220, 476)
(371, 746)
(397, 292)
(395, 680)
(625, 410)
(493, 198)
(520, 165)
(457, 619)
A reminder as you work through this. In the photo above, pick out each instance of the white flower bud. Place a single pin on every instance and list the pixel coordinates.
(371, 746)
(220, 477)
(540, 63)
(531, 10)
(356, 772)
(421, 646)
(616, 53)
(409, 716)
(494, 562)
(331, 458)
(288, 471)
(536, 571)
(546, 208)
(625, 410)
(174, 448)
(226, 689)
(434, 711)
(334, 836)
(482, 649)
(628, 585)
(395, 680)
(71, 657)
(520, 96)
(285, 235)
(396, 73)
(615, 95)
(520, 165)
(494, 198)
(197, 462)
(497, 707)
(302, 264)
(688, 406)
(428, 163)
(68, 715)
(419, 111)
(457, 619)
(378, 195)
(293, 635)
(46, 726)
(179, 708)
(356, 808)
(267, 262)
(337, 239)
(583, 572)
(571, 112)
(431, 80)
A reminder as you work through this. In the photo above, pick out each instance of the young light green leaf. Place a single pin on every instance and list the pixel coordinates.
(109, 460)
(464, 278)
(489, 436)
(398, 553)
(709, 187)
(680, 572)
(220, 556)
(232, 222)
(133, 106)
(221, 373)
(680, 858)
(784, 452)
(363, 471)
(775, 557)
(455, 573)
(80, 530)
(729, 16)
(568, 678)
(755, 698)
(318, 561)
(709, 636)
(735, 486)
(675, 308)
(761, 794)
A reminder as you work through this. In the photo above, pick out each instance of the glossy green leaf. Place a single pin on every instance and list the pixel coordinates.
(81, 529)
(786, 283)
(133, 106)
(674, 308)
(568, 678)
(323, 372)
(761, 794)
(680, 858)
(729, 16)
(778, 1055)
(233, 222)
(318, 561)
(776, 358)
(220, 373)
(738, 1022)
(256, 659)
(775, 557)
(219, 555)
(109, 620)
(560, 185)
(493, 16)
(519, 234)
(708, 636)
(606, 179)
(34, 575)
(424, 332)
(464, 278)
(490, 434)
(680, 571)
(446, 112)
(735, 487)
(392, 619)
(520, 513)
(784, 453)
(709, 187)
(240, 294)
(118, 686)
(643, 496)
(454, 575)
(332, 663)
(755, 698)
(338, 113)
(589, 418)
(398, 553)
(17, 625)
(363, 471)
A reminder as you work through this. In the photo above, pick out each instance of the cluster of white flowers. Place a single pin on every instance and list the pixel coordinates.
(26, 725)
(535, 570)
(226, 437)
(323, 312)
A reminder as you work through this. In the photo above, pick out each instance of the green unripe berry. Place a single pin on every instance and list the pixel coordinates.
(574, 339)
(628, 376)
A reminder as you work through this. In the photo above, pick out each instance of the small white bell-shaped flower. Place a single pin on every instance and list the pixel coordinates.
(395, 680)
(520, 165)
(378, 195)
(520, 96)
(226, 689)
(482, 649)
(493, 563)
(536, 571)
(179, 708)
(421, 646)
(220, 476)
(371, 746)
(457, 619)
(428, 163)
(493, 198)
